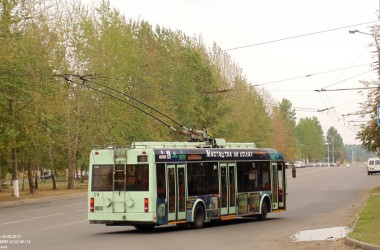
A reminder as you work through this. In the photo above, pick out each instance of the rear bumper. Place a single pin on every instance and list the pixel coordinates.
(122, 218)
(373, 171)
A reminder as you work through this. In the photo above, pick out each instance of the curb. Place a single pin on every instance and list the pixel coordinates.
(35, 200)
(359, 244)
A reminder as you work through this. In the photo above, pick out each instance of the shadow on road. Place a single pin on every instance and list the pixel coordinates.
(181, 228)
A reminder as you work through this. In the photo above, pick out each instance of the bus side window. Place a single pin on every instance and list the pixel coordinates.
(263, 176)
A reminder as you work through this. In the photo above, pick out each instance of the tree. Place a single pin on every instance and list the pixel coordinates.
(369, 133)
(13, 69)
(310, 136)
(335, 142)
(288, 113)
(283, 124)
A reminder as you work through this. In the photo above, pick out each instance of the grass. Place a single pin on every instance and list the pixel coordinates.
(45, 189)
(367, 228)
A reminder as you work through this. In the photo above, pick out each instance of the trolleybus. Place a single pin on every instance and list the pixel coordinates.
(149, 184)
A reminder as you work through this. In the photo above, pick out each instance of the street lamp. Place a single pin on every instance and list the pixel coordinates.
(333, 152)
(376, 42)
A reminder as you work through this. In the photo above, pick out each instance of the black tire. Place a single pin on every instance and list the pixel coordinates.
(264, 211)
(145, 228)
(199, 217)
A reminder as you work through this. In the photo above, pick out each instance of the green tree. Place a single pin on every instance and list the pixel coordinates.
(283, 123)
(335, 142)
(288, 112)
(369, 133)
(14, 86)
(310, 137)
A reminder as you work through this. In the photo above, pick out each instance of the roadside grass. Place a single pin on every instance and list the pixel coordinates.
(45, 189)
(367, 227)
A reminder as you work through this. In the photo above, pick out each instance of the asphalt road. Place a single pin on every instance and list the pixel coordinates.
(317, 198)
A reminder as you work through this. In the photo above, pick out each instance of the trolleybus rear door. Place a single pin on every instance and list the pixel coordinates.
(228, 188)
(176, 192)
(119, 205)
(281, 185)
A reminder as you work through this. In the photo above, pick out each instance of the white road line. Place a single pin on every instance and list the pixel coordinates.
(309, 172)
(68, 205)
(80, 210)
(62, 225)
(73, 204)
(34, 218)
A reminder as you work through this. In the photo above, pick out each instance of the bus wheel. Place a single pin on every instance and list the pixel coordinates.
(264, 211)
(199, 217)
(145, 228)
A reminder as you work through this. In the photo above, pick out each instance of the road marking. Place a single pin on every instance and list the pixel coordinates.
(62, 225)
(68, 205)
(80, 210)
(73, 204)
(34, 218)
(310, 172)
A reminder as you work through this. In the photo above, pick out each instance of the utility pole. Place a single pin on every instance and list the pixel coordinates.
(328, 154)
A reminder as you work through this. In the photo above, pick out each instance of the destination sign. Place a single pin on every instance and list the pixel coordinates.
(173, 155)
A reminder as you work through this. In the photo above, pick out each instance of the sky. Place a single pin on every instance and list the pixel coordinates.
(290, 48)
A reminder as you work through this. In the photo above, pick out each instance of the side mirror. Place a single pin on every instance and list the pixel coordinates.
(294, 172)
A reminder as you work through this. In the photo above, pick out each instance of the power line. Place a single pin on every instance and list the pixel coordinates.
(325, 90)
(348, 78)
(309, 75)
(298, 36)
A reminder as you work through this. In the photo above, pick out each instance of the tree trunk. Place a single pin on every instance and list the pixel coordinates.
(30, 177)
(23, 179)
(53, 180)
(53, 171)
(14, 159)
(36, 181)
(14, 174)
(70, 181)
(1, 179)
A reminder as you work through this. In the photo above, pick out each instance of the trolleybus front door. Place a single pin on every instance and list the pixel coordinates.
(176, 191)
(278, 186)
(228, 188)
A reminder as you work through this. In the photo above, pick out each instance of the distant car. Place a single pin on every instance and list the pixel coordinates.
(46, 175)
(373, 166)
(299, 164)
(288, 164)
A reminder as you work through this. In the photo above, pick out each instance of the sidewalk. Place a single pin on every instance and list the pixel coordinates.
(29, 201)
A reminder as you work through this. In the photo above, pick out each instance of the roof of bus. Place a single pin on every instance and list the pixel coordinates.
(221, 143)
(223, 150)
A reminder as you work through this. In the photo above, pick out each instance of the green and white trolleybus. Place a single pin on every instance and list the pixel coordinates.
(149, 184)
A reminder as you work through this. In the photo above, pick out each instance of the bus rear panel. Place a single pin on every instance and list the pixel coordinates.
(119, 192)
